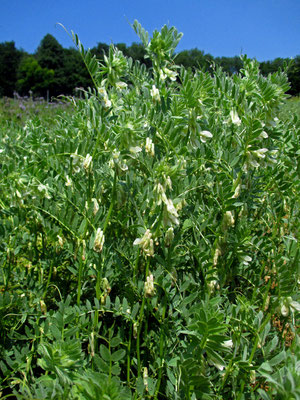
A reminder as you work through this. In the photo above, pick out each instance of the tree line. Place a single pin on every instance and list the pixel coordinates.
(55, 70)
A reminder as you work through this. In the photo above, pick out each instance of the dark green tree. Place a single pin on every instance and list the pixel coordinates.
(138, 52)
(294, 76)
(194, 58)
(100, 50)
(75, 72)
(31, 76)
(9, 61)
(50, 53)
(231, 65)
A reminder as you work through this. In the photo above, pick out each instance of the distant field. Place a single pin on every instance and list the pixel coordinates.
(23, 108)
(292, 106)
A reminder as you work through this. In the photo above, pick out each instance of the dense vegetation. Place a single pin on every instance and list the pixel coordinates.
(149, 236)
(53, 70)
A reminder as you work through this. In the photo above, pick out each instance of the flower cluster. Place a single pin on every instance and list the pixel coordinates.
(99, 241)
(154, 92)
(149, 147)
(170, 214)
(106, 103)
(96, 206)
(78, 163)
(146, 243)
(121, 85)
(254, 156)
(228, 220)
(235, 117)
(165, 73)
(117, 163)
(169, 236)
(149, 286)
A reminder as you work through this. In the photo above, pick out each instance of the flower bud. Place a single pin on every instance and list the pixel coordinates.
(99, 241)
(149, 287)
(228, 220)
(169, 236)
(43, 307)
(154, 92)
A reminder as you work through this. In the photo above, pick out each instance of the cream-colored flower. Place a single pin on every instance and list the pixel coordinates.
(102, 91)
(170, 74)
(260, 153)
(228, 343)
(169, 236)
(76, 161)
(162, 75)
(135, 150)
(204, 135)
(45, 190)
(146, 243)
(161, 195)
(212, 285)
(170, 214)
(149, 147)
(68, 181)
(237, 192)
(121, 85)
(87, 162)
(96, 206)
(235, 117)
(145, 378)
(99, 241)
(216, 256)
(263, 135)
(60, 241)
(149, 286)
(284, 310)
(228, 220)
(246, 259)
(106, 103)
(154, 92)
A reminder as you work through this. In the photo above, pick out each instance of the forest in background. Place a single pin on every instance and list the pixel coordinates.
(54, 70)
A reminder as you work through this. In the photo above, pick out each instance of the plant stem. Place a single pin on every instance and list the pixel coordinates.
(128, 356)
(79, 279)
(140, 321)
(111, 204)
(161, 347)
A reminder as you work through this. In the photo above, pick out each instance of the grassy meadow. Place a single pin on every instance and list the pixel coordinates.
(149, 235)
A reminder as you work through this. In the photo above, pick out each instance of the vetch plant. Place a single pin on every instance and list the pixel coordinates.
(149, 238)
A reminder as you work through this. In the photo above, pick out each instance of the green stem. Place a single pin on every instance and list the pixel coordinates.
(161, 348)
(128, 357)
(79, 278)
(100, 132)
(140, 321)
(253, 351)
(48, 280)
(111, 204)
(136, 265)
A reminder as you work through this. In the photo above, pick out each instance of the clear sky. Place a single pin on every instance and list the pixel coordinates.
(264, 29)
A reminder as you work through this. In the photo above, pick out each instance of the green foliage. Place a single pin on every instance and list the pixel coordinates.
(149, 239)
(9, 60)
(32, 77)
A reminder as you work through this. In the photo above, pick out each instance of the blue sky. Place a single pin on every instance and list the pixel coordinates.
(264, 29)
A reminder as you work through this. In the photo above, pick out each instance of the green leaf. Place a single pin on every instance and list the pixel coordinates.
(115, 342)
(279, 358)
(118, 355)
(104, 352)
